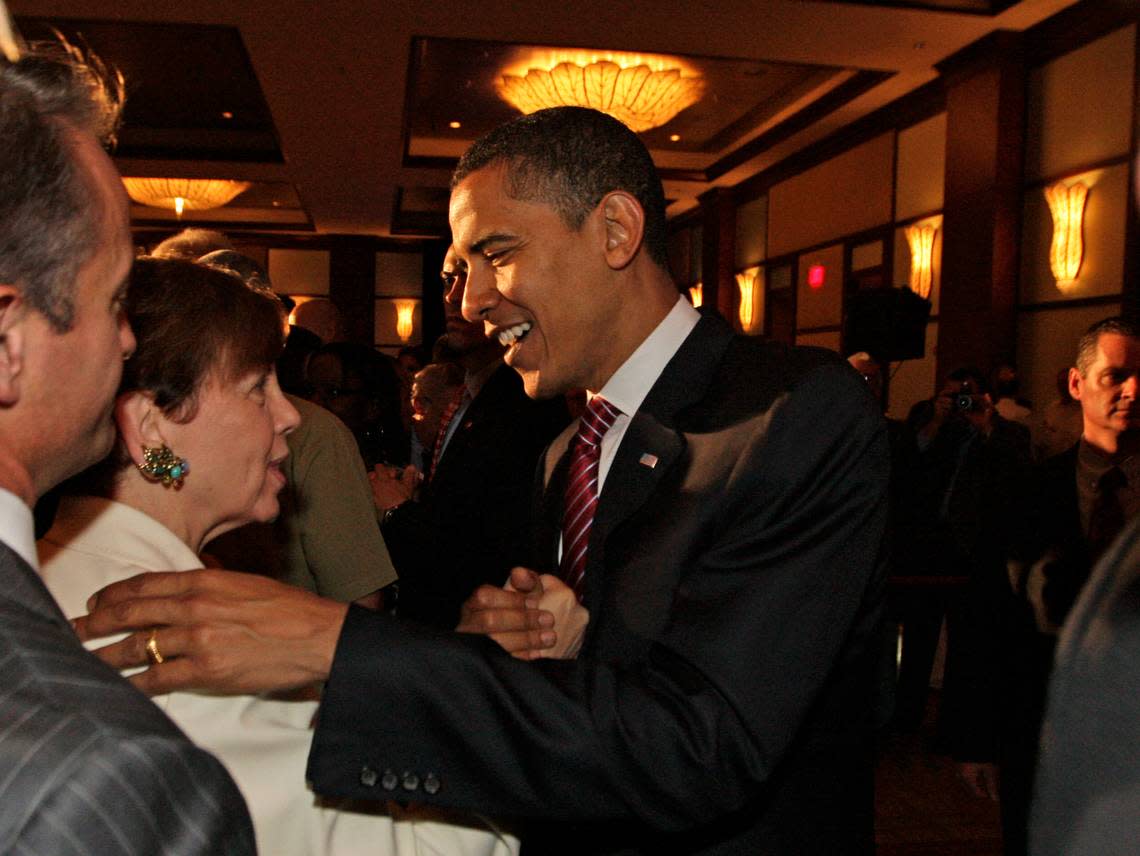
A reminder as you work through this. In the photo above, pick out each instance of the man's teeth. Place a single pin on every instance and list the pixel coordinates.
(512, 334)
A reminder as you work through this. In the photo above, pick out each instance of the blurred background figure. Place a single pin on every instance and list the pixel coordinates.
(433, 388)
(463, 528)
(191, 244)
(322, 318)
(1061, 421)
(360, 386)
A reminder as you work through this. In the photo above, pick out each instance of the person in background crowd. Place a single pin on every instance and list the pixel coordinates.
(191, 244)
(1061, 422)
(1075, 504)
(433, 388)
(360, 386)
(958, 467)
(322, 318)
(466, 527)
(1009, 406)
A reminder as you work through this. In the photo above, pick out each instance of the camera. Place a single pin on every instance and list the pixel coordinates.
(966, 400)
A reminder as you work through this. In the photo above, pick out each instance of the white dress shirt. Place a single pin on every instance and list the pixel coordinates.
(17, 527)
(627, 387)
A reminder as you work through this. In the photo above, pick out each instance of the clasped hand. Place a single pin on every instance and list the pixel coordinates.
(532, 616)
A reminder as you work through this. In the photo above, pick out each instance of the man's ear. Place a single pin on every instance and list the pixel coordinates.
(625, 227)
(12, 310)
(140, 422)
(1075, 383)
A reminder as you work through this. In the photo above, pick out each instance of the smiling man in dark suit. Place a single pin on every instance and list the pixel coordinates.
(87, 763)
(731, 561)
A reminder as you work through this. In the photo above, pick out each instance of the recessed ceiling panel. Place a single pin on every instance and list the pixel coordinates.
(191, 90)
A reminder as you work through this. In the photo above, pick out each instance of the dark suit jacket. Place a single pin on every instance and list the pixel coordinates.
(722, 700)
(468, 526)
(1087, 795)
(87, 763)
(1005, 661)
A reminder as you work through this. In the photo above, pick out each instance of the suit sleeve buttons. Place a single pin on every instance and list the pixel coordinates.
(411, 781)
(389, 781)
(368, 777)
(431, 784)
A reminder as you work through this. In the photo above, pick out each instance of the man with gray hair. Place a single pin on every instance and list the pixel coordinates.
(87, 764)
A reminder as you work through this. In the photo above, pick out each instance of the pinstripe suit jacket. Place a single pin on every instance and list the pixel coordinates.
(88, 764)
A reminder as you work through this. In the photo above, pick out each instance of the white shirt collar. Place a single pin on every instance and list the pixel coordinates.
(17, 527)
(627, 387)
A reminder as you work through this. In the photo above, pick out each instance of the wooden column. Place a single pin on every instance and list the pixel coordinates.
(718, 251)
(985, 131)
(352, 286)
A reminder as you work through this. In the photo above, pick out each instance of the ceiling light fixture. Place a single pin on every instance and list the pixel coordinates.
(179, 194)
(455, 125)
(643, 91)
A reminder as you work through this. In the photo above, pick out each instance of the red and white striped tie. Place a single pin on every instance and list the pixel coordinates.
(582, 490)
(457, 400)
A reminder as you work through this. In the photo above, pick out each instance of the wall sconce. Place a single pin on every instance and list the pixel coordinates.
(1067, 204)
(921, 240)
(697, 294)
(404, 311)
(748, 281)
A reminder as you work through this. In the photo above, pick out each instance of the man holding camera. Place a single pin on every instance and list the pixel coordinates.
(959, 466)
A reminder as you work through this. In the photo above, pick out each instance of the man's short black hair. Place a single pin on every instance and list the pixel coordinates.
(1086, 347)
(571, 157)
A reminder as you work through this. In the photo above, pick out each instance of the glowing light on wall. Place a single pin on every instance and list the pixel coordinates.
(405, 309)
(750, 285)
(921, 241)
(180, 194)
(817, 276)
(697, 294)
(1067, 204)
(644, 91)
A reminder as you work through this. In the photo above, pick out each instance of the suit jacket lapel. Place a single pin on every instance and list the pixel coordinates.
(489, 398)
(653, 431)
(20, 584)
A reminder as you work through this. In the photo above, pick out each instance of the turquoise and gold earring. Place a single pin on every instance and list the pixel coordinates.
(161, 464)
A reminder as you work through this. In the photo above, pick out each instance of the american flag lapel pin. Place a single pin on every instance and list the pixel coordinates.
(647, 460)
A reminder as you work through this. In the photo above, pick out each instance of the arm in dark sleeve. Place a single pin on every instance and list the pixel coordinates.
(767, 614)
